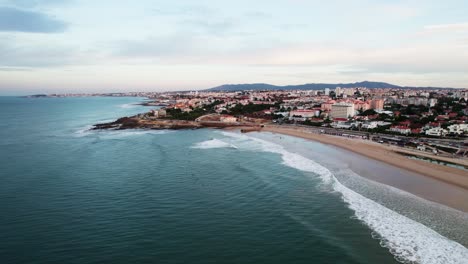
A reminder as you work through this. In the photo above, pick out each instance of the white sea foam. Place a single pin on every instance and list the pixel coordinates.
(117, 134)
(213, 143)
(408, 240)
(127, 106)
(84, 131)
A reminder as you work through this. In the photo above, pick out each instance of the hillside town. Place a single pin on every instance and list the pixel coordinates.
(428, 113)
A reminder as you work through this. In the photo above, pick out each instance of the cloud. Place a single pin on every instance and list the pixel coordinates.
(208, 27)
(33, 3)
(193, 10)
(17, 20)
(411, 58)
(18, 53)
(14, 69)
(447, 27)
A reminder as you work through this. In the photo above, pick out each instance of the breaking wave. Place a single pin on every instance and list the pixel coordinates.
(409, 241)
(128, 106)
(117, 134)
(213, 143)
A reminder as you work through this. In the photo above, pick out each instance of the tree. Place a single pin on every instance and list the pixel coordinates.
(368, 112)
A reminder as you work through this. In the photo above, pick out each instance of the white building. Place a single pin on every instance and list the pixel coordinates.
(160, 113)
(458, 129)
(341, 123)
(436, 131)
(432, 102)
(327, 91)
(227, 119)
(401, 129)
(370, 125)
(342, 110)
(338, 91)
(302, 113)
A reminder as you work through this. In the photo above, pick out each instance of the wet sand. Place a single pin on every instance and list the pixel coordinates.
(453, 182)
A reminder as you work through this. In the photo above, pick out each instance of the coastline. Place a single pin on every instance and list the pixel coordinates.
(382, 153)
(441, 177)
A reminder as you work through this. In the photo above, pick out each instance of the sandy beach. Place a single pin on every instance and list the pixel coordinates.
(381, 153)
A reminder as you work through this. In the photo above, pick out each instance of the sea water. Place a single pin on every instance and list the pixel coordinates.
(70, 195)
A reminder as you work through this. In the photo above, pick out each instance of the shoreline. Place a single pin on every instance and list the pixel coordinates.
(455, 179)
(385, 154)
(433, 179)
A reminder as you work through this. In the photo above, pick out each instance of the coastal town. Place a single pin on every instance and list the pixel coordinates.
(428, 121)
(438, 113)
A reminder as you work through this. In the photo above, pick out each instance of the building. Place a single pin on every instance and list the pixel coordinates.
(341, 123)
(377, 104)
(338, 91)
(327, 91)
(302, 113)
(432, 102)
(401, 129)
(458, 129)
(342, 110)
(360, 105)
(227, 119)
(160, 113)
(327, 105)
(436, 131)
(369, 125)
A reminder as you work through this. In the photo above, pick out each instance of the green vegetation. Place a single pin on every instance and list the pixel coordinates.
(173, 113)
(248, 109)
(368, 112)
(310, 123)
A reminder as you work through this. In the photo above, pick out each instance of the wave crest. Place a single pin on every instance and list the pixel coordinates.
(213, 143)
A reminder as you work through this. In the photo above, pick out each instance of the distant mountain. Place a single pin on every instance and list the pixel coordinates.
(311, 86)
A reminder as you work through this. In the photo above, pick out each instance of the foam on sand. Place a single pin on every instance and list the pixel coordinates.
(409, 241)
(213, 143)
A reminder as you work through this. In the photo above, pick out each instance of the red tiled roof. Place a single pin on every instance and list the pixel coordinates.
(340, 119)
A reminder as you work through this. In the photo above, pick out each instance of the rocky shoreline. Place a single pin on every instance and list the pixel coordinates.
(136, 122)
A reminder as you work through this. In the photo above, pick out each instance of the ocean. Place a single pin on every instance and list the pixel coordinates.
(70, 195)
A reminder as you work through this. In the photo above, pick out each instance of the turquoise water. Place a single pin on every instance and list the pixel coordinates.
(68, 195)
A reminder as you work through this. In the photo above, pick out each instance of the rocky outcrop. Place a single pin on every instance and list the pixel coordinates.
(145, 122)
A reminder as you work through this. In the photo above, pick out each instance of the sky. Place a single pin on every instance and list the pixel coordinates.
(60, 46)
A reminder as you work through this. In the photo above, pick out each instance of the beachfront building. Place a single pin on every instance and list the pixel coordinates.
(342, 110)
(341, 123)
(401, 129)
(458, 129)
(303, 113)
(369, 125)
(436, 131)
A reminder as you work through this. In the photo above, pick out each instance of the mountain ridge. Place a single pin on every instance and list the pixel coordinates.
(313, 86)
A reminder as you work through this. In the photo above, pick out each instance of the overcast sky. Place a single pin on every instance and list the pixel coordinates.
(148, 45)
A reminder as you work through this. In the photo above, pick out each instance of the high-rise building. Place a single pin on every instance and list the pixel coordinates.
(338, 91)
(342, 110)
(377, 104)
(327, 91)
